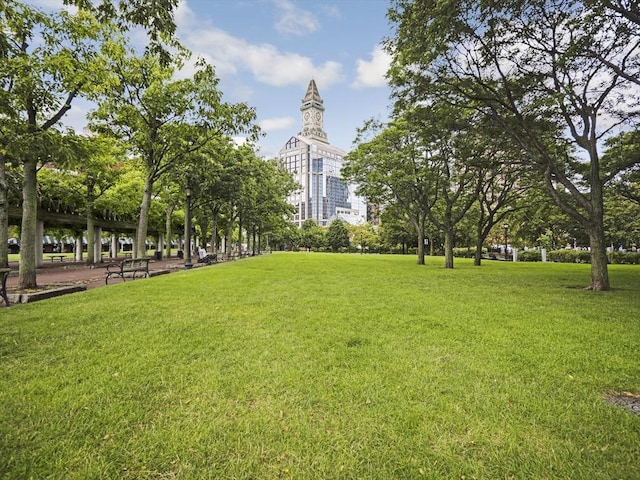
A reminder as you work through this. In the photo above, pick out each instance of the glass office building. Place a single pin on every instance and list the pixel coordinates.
(315, 165)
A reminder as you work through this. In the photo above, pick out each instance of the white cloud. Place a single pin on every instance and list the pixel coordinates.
(372, 73)
(231, 55)
(293, 20)
(275, 124)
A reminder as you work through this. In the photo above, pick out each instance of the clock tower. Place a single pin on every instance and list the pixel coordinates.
(312, 110)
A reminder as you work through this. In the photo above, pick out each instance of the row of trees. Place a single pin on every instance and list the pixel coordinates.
(536, 223)
(150, 125)
(495, 100)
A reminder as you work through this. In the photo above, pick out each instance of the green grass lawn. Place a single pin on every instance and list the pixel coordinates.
(321, 366)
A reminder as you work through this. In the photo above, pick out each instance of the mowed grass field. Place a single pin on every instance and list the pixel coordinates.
(322, 366)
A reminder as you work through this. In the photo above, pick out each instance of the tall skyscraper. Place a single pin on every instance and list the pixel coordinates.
(315, 165)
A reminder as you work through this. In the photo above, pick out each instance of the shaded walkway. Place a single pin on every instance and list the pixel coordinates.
(71, 273)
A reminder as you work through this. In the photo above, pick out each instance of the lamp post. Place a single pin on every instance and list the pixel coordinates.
(187, 229)
(506, 230)
(361, 245)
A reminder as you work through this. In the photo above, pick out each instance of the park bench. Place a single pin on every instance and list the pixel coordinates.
(129, 267)
(53, 257)
(209, 258)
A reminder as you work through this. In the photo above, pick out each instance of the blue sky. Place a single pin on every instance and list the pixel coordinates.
(266, 52)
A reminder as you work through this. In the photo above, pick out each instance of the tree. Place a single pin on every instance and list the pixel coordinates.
(337, 235)
(387, 165)
(311, 235)
(504, 179)
(624, 149)
(164, 121)
(271, 209)
(453, 155)
(46, 62)
(528, 65)
(622, 61)
(427, 161)
(95, 165)
(155, 17)
(396, 230)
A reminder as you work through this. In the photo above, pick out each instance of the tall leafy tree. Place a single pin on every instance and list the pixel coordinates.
(97, 166)
(155, 17)
(395, 229)
(504, 178)
(46, 62)
(429, 163)
(312, 235)
(337, 235)
(217, 185)
(164, 120)
(271, 210)
(388, 166)
(453, 166)
(528, 64)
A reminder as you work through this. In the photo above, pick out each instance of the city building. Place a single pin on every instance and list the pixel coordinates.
(315, 165)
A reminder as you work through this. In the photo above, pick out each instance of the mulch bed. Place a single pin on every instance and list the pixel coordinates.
(628, 401)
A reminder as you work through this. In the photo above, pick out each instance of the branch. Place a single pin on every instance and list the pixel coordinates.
(64, 109)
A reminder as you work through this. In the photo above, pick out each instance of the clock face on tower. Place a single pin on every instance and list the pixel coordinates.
(318, 116)
(307, 115)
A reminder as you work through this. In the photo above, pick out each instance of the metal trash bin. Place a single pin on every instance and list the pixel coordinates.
(180, 254)
(158, 255)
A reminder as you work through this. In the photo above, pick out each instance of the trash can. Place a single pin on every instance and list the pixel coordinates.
(180, 254)
(158, 255)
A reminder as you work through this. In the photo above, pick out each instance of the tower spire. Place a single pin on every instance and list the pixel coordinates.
(312, 109)
(312, 95)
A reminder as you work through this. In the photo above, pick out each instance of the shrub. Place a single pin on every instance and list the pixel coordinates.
(563, 256)
(583, 256)
(632, 258)
(530, 256)
(464, 252)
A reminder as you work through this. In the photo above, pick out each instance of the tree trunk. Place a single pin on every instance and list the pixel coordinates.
(240, 235)
(419, 226)
(203, 222)
(420, 248)
(4, 215)
(143, 219)
(448, 248)
(599, 269)
(229, 239)
(29, 224)
(253, 241)
(214, 234)
(91, 238)
(477, 257)
(167, 229)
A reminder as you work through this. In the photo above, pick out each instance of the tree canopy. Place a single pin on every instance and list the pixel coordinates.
(536, 70)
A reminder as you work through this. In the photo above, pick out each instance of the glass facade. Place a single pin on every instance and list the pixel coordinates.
(322, 194)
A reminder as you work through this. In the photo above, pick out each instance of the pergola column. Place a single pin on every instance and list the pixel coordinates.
(160, 245)
(113, 246)
(97, 244)
(78, 249)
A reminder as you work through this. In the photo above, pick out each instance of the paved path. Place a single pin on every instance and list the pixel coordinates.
(78, 273)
